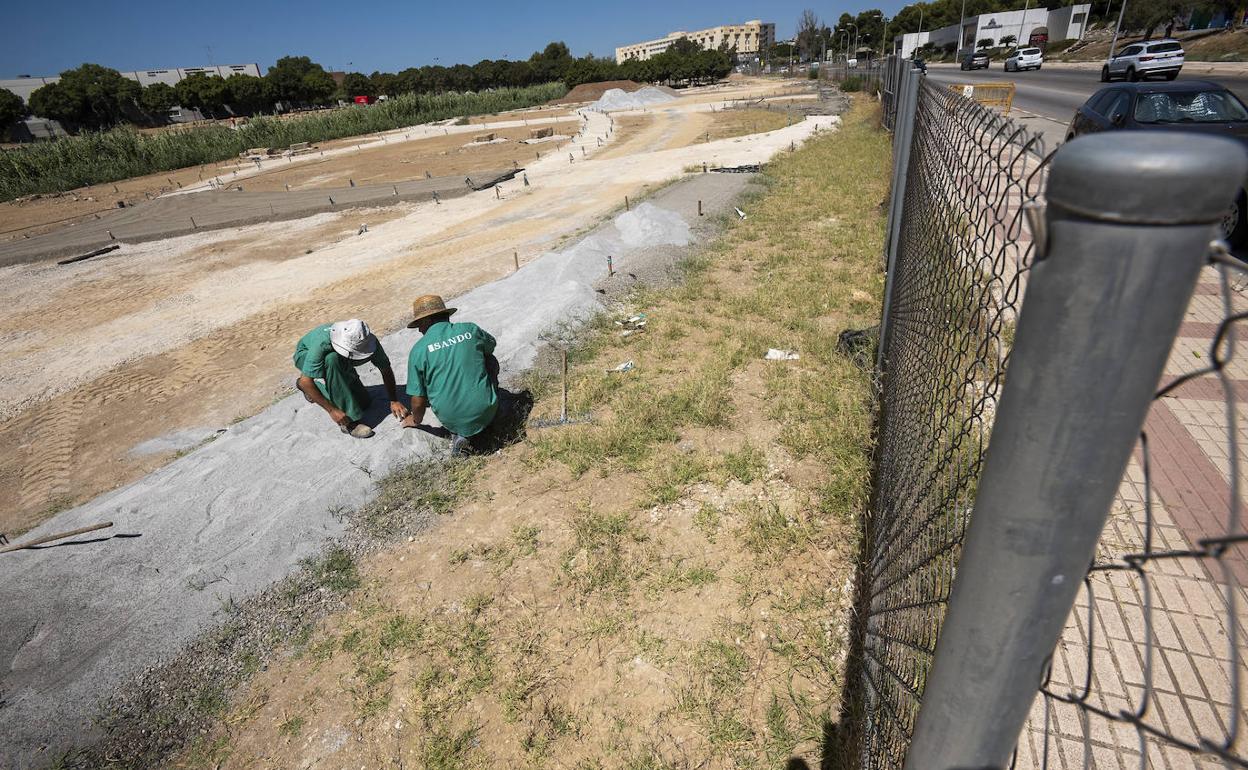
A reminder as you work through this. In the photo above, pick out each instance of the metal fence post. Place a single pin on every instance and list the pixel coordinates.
(907, 100)
(1102, 308)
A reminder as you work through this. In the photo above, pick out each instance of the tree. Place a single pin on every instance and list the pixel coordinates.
(157, 99)
(984, 43)
(11, 109)
(202, 92)
(299, 79)
(809, 41)
(89, 95)
(357, 84)
(384, 84)
(1009, 40)
(248, 94)
(318, 86)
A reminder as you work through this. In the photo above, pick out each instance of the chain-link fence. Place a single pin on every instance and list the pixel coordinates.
(1148, 668)
(957, 281)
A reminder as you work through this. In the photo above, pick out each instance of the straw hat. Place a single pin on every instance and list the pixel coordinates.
(429, 304)
(352, 339)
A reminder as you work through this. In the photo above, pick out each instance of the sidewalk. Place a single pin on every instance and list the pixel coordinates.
(1164, 640)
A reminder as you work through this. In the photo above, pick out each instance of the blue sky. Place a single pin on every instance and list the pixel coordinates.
(365, 36)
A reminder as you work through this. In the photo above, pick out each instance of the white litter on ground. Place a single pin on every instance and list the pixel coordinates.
(617, 99)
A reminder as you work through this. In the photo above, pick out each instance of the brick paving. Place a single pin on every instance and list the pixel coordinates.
(1159, 641)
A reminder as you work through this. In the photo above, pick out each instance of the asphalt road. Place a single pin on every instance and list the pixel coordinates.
(1056, 92)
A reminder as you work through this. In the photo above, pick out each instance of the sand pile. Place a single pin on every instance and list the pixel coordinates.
(616, 99)
(588, 92)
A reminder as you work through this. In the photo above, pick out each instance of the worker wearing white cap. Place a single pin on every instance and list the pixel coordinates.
(327, 357)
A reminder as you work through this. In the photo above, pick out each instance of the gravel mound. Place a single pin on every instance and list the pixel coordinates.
(616, 99)
(588, 92)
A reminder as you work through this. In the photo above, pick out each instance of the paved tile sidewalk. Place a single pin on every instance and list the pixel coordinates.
(1164, 641)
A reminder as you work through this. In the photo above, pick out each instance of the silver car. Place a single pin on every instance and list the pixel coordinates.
(1024, 59)
(1144, 60)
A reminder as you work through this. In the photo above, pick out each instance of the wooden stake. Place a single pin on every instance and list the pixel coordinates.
(515, 256)
(699, 208)
(626, 204)
(57, 536)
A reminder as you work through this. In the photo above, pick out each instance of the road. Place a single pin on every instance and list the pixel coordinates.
(1055, 92)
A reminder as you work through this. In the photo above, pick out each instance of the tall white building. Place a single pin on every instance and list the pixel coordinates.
(750, 39)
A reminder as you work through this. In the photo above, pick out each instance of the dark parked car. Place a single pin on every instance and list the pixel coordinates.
(1184, 105)
(975, 61)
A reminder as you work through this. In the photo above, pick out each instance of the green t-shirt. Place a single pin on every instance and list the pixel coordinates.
(447, 366)
(314, 351)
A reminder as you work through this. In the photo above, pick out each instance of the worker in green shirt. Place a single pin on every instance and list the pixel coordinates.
(453, 370)
(327, 358)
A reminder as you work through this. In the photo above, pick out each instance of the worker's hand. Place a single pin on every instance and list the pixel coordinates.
(409, 421)
(398, 410)
(340, 417)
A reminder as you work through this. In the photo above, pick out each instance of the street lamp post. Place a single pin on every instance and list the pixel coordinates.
(1018, 41)
(961, 24)
(855, 26)
(1117, 27)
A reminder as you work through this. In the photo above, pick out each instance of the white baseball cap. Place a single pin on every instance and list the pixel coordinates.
(352, 339)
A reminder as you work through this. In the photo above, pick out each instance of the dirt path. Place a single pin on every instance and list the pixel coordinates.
(182, 336)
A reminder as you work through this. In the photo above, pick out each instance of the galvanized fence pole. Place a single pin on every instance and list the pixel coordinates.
(903, 141)
(1113, 277)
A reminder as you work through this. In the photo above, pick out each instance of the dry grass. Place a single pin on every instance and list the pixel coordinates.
(666, 587)
(728, 124)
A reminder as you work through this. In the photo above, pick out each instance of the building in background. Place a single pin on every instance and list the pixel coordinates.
(25, 86)
(751, 39)
(1034, 26)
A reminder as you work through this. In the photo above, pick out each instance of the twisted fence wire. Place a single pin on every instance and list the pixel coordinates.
(1150, 668)
(959, 277)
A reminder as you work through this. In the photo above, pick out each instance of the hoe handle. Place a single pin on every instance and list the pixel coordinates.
(58, 536)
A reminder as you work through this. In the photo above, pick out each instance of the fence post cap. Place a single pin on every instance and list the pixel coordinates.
(1147, 177)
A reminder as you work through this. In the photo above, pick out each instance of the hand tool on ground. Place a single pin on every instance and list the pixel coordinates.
(57, 536)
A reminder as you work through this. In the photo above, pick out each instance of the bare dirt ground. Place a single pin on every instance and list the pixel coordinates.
(383, 162)
(190, 333)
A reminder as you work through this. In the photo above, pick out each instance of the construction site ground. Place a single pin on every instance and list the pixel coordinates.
(663, 586)
(184, 335)
(163, 350)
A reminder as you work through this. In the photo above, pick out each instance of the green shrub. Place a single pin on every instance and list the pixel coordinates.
(851, 83)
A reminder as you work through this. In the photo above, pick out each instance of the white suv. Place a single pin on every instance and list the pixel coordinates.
(1024, 59)
(1145, 59)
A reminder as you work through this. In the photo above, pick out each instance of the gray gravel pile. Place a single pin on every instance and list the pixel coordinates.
(617, 99)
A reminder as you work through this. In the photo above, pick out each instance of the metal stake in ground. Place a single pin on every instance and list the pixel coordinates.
(515, 257)
(610, 267)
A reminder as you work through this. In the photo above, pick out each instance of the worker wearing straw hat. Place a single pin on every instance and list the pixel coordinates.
(327, 358)
(453, 370)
